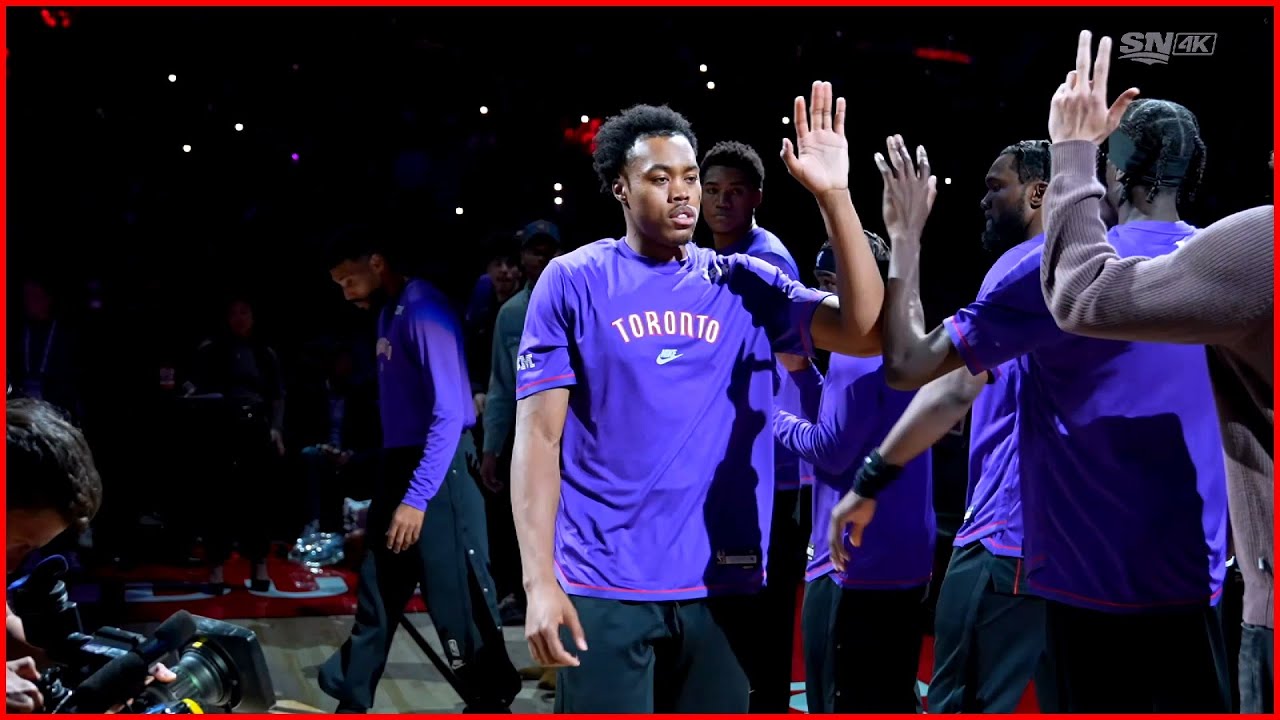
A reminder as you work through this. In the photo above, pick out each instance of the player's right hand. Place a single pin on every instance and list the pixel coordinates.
(489, 473)
(548, 608)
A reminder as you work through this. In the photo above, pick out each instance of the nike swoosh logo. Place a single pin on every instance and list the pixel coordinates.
(664, 359)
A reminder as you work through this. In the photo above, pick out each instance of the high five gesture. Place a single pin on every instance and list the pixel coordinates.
(1079, 109)
(820, 158)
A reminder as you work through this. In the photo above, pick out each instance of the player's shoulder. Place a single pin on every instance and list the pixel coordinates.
(1017, 263)
(769, 248)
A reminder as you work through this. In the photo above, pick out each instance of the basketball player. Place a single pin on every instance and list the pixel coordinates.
(1152, 568)
(426, 524)
(851, 667)
(974, 671)
(1217, 290)
(733, 187)
(659, 529)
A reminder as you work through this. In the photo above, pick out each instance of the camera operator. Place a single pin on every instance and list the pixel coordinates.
(52, 485)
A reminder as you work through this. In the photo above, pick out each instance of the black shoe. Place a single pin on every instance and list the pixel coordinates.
(345, 708)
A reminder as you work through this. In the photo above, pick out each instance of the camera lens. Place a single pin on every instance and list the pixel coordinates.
(205, 675)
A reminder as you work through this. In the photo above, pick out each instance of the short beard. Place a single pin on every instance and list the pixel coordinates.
(1005, 231)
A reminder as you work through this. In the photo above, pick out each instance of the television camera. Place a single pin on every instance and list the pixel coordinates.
(218, 665)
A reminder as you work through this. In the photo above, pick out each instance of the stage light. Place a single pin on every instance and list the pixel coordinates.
(173, 78)
(484, 110)
(786, 121)
(702, 68)
(186, 148)
(559, 187)
(946, 181)
(457, 211)
(294, 157)
(559, 201)
(711, 86)
(239, 127)
(585, 118)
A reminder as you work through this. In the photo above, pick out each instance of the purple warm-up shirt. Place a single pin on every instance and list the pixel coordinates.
(1123, 484)
(993, 502)
(424, 395)
(857, 410)
(667, 452)
(796, 391)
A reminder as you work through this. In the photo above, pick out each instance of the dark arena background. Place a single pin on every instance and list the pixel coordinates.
(164, 161)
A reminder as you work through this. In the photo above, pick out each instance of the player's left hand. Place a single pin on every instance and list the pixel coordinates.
(820, 160)
(405, 528)
(158, 673)
(1079, 108)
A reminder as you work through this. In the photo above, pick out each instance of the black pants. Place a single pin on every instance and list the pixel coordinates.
(862, 648)
(1172, 662)
(1257, 670)
(659, 657)
(450, 562)
(769, 661)
(988, 637)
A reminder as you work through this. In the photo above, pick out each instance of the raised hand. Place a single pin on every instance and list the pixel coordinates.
(909, 189)
(820, 158)
(1079, 108)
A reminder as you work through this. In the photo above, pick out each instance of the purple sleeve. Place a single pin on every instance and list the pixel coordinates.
(783, 306)
(1008, 320)
(436, 336)
(809, 381)
(839, 437)
(544, 361)
(787, 266)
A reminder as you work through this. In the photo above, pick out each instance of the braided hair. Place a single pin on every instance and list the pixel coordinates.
(1167, 148)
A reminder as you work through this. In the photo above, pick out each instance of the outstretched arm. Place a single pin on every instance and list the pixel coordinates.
(937, 408)
(1208, 292)
(820, 162)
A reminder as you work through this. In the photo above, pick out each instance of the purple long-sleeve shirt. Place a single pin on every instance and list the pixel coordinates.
(858, 409)
(424, 395)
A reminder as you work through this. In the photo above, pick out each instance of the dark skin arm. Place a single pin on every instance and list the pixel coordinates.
(849, 325)
(912, 355)
(937, 408)
(535, 496)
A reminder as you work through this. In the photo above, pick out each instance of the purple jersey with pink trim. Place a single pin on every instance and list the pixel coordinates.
(667, 452)
(1123, 483)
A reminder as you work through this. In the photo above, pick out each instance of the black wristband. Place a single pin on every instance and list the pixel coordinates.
(874, 476)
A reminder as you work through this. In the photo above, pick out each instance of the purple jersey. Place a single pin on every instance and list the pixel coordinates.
(858, 409)
(667, 453)
(993, 505)
(1123, 479)
(790, 472)
(424, 396)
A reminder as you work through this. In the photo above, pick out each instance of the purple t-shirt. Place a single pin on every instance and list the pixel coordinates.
(857, 410)
(993, 504)
(667, 452)
(790, 472)
(424, 396)
(1123, 480)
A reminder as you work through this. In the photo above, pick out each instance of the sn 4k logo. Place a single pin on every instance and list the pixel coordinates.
(1156, 48)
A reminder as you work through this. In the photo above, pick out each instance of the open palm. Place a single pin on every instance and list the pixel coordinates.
(820, 158)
